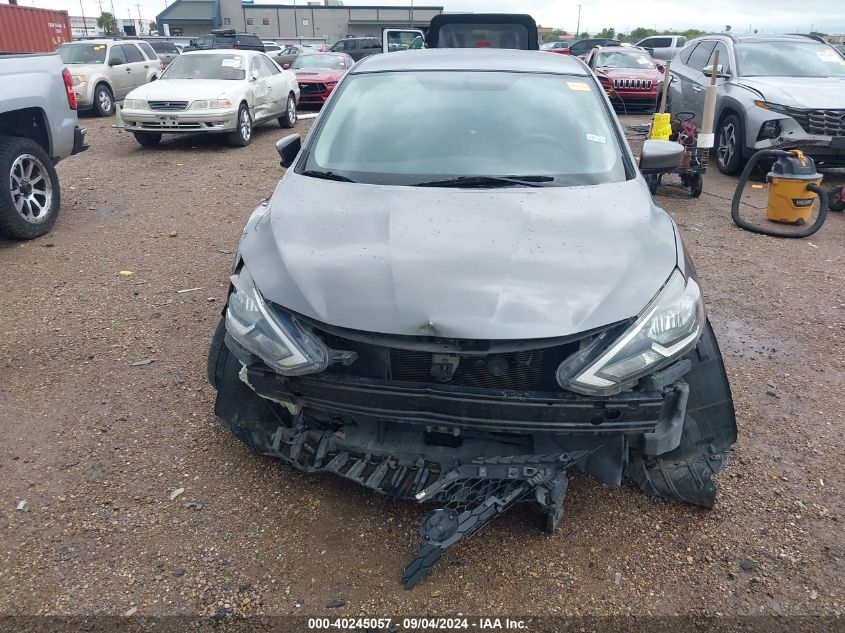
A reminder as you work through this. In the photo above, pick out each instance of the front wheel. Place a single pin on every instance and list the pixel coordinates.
(148, 139)
(242, 135)
(103, 100)
(836, 200)
(288, 120)
(696, 185)
(730, 145)
(29, 203)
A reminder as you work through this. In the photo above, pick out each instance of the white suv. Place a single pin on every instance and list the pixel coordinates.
(105, 71)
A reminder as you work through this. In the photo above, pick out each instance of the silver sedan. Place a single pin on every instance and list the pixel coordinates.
(221, 92)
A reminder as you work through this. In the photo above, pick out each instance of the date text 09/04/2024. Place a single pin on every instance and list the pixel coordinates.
(417, 624)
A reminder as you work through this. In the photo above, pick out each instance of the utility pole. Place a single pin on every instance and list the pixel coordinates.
(140, 19)
(114, 17)
(412, 13)
(84, 21)
(295, 22)
(578, 27)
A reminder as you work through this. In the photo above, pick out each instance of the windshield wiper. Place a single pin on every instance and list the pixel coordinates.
(482, 182)
(326, 175)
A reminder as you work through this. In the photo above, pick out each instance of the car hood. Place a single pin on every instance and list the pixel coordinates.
(319, 74)
(799, 92)
(479, 264)
(185, 89)
(86, 69)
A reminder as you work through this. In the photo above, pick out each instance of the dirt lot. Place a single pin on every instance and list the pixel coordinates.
(95, 446)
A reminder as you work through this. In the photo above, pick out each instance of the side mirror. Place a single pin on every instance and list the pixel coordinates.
(660, 157)
(115, 62)
(289, 147)
(285, 66)
(708, 72)
(661, 68)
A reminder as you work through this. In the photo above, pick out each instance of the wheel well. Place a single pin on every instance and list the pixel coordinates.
(28, 122)
(726, 112)
(103, 82)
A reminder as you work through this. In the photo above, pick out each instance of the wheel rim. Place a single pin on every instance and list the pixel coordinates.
(245, 125)
(104, 99)
(727, 143)
(291, 111)
(32, 190)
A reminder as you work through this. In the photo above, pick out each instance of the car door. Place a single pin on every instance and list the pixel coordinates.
(138, 64)
(694, 88)
(120, 73)
(276, 86)
(288, 55)
(260, 90)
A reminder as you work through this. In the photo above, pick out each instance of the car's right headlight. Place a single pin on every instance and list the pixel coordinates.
(275, 337)
(135, 104)
(78, 79)
(669, 327)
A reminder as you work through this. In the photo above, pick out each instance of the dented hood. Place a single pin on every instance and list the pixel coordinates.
(464, 263)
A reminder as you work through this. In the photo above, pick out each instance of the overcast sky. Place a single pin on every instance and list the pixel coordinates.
(623, 15)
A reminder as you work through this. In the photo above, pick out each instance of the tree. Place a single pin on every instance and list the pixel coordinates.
(727, 28)
(584, 36)
(152, 27)
(607, 33)
(640, 33)
(554, 36)
(107, 22)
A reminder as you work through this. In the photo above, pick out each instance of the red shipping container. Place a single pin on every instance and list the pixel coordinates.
(31, 30)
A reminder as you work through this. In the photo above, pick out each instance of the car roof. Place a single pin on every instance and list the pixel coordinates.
(100, 41)
(485, 59)
(754, 38)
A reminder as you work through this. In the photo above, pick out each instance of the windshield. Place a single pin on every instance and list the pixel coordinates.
(319, 61)
(789, 59)
(623, 59)
(469, 35)
(231, 67)
(411, 128)
(82, 53)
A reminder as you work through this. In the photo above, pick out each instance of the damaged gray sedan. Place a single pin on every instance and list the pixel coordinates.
(461, 290)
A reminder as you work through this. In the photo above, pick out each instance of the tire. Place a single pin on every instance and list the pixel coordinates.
(289, 118)
(148, 139)
(653, 182)
(696, 185)
(242, 136)
(103, 100)
(730, 145)
(836, 199)
(217, 354)
(27, 209)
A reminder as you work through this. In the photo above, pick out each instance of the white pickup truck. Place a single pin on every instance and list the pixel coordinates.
(38, 128)
(663, 46)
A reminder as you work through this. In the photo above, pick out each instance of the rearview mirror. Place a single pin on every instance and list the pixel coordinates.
(660, 157)
(289, 146)
(285, 66)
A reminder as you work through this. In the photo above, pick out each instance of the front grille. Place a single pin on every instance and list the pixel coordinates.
(821, 122)
(632, 84)
(312, 88)
(519, 371)
(168, 106)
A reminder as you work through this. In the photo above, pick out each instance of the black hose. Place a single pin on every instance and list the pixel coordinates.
(754, 228)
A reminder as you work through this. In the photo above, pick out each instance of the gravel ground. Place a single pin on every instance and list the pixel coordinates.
(94, 447)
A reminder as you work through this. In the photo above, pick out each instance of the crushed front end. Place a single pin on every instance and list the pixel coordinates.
(470, 427)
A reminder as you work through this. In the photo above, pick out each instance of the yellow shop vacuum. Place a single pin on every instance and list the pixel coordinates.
(794, 187)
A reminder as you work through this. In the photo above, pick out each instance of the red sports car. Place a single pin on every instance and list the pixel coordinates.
(318, 75)
(629, 75)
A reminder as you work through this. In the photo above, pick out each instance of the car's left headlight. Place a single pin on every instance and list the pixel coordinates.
(211, 104)
(669, 327)
(78, 79)
(274, 336)
(135, 104)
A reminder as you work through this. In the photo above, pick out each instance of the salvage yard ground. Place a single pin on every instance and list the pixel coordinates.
(106, 414)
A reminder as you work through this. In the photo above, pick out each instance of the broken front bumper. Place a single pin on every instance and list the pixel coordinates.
(473, 452)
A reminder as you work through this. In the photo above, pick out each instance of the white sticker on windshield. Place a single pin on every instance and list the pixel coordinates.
(595, 138)
(231, 62)
(643, 61)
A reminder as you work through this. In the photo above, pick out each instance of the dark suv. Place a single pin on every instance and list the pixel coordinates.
(583, 47)
(358, 47)
(226, 38)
